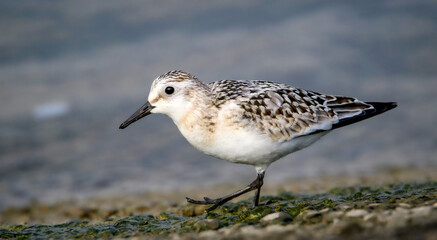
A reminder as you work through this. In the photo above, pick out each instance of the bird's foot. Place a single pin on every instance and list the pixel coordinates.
(206, 201)
(217, 202)
(256, 184)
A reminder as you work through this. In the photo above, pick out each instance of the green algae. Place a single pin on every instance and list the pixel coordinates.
(187, 218)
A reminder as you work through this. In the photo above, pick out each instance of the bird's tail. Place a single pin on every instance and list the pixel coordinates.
(373, 110)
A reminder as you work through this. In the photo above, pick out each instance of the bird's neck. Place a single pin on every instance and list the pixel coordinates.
(197, 123)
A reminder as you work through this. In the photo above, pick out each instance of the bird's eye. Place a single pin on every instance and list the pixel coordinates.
(169, 90)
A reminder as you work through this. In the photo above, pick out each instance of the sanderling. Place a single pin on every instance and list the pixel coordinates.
(252, 122)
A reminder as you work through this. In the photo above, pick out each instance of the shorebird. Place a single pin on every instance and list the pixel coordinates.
(253, 122)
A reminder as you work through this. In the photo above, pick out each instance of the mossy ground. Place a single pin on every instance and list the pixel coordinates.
(384, 210)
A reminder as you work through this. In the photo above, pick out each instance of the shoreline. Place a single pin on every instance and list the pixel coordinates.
(155, 202)
(386, 204)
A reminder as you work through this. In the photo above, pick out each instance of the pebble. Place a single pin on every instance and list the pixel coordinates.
(277, 216)
(226, 231)
(357, 213)
(374, 205)
(325, 210)
(344, 207)
(279, 228)
(423, 211)
(347, 227)
(310, 214)
(401, 210)
(199, 210)
(404, 205)
(210, 234)
(251, 230)
(334, 215)
(372, 217)
(186, 212)
(206, 224)
(398, 218)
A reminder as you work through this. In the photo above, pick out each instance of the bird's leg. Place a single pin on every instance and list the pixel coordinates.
(256, 184)
(260, 178)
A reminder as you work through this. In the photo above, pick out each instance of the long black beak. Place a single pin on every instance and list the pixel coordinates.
(140, 113)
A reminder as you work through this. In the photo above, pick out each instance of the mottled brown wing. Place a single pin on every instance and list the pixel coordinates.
(284, 112)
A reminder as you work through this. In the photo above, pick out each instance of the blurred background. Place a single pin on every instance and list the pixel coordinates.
(72, 71)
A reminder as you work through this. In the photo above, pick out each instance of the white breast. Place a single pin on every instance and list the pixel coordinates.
(242, 143)
(247, 147)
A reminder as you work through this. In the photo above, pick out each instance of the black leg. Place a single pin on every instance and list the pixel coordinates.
(256, 184)
(258, 190)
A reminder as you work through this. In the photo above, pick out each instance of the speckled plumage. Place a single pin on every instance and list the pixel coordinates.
(284, 112)
(272, 115)
(252, 122)
(280, 111)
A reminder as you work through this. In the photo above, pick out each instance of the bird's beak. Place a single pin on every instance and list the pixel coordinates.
(140, 113)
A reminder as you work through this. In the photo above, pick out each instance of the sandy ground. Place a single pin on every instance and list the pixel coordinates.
(98, 208)
(390, 204)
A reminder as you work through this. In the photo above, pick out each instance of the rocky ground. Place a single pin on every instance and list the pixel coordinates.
(394, 204)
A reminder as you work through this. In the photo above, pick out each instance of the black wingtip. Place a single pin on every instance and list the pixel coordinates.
(381, 107)
(378, 108)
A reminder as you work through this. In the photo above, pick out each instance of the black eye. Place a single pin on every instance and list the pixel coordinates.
(169, 90)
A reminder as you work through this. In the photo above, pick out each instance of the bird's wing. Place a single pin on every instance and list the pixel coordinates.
(284, 112)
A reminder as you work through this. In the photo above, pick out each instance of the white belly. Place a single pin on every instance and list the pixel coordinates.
(248, 147)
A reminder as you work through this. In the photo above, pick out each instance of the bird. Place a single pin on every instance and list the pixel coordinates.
(252, 122)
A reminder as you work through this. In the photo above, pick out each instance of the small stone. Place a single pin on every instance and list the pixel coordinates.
(344, 207)
(347, 227)
(209, 234)
(251, 230)
(374, 206)
(199, 210)
(206, 224)
(325, 210)
(226, 231)
(278, 231)
(372, 217)
(401, 210)
(398, 218)
(357, 213)
(278, 216)
(423, 211)
(404, 205)
(332, 216)
(275, 228)
(187, 211)
(311, 214)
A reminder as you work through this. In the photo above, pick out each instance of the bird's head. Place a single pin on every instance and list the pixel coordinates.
(172, 94)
